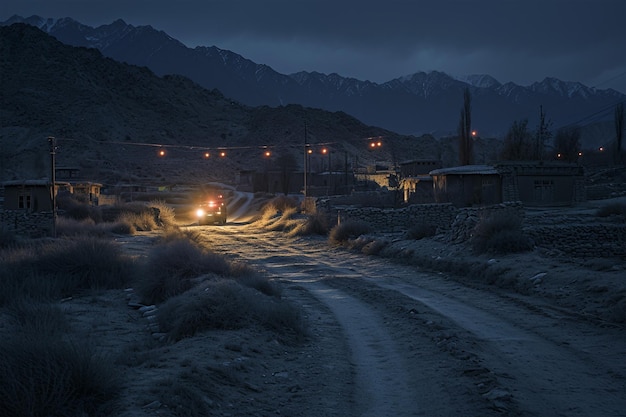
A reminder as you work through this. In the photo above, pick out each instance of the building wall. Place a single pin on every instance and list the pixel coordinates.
(543, 184)
(39, 198)
(27, 223)
(467, 190)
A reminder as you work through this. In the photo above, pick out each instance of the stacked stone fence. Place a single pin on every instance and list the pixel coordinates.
(457, 225)
(582, 241)
(457, 222)
(395, 220)
(26, 223)
(467, 218)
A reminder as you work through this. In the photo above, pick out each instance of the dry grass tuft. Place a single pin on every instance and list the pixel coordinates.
(227, 304)
(171, 267)
(346, 230)
(47, 375)
(612, 209)
(500, 233)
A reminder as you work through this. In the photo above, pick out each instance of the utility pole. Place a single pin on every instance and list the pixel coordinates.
(53, 197)
(306, 146)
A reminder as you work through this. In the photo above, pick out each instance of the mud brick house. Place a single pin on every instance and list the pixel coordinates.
(416, 183)
(88, 190)
(27, 207)
(468, 185)
(31, 195)
(548, 183)
(532, 183)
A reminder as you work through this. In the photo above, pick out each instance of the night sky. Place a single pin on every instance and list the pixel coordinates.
(522, 41)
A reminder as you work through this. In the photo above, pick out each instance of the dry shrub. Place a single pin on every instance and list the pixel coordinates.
(219, 304)
(348, 229)
(167, 215)
(174, 234)
(71, 227)
(284, 203)
(122, 228)
(226, 304)
(87, 227)
(37, 318)
(278, 213)
(612, 209)
(172, 265)
(359, 242)
(421, 231)
(83, 263)
(142, 222)
(260, 283)
(44, 375)
(269, 215)
(78, 208)
(313, 224)
(285, 221)
(7, 238)
(374, 247)
(19, 281)
(500, 233)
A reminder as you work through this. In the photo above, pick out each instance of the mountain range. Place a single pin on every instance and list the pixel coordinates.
(110, 119)
(420, 103)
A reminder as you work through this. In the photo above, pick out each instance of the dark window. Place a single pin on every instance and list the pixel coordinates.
(544, 190)
(24, 201)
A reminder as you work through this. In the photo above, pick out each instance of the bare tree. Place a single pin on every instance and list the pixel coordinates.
(567, 143)
(543, 134)
(465, 130)
(518, 142)
(619, 131)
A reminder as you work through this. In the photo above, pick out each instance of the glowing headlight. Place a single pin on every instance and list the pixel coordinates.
(200, 213)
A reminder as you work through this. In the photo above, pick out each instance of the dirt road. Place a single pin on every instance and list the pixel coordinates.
(420, 344)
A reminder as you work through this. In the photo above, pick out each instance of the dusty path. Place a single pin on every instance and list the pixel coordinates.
(421, 344)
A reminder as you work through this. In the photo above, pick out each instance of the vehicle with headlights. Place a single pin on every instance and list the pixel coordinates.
(212, 211)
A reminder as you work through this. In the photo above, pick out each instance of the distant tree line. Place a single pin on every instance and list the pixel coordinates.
(523, 144)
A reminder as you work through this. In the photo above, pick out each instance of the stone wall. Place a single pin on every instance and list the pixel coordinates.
(26, 223)
(582, 241)
(462, 229)
(395, 220)
(586, 237)
(458, 222)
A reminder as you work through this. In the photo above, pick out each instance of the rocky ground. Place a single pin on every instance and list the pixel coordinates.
(410, 358)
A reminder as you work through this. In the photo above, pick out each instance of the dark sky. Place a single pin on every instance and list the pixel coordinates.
(522, 41)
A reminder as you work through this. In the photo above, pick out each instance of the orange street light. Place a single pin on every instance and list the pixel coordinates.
(222, 154)
(324, 151)
(207, 155)
(162, 152)
(267, 154)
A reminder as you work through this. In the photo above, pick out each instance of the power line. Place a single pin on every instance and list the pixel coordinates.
(594, 116)
(206, 148)
(610, 79)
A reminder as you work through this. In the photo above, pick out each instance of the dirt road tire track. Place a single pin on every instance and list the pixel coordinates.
(455, 350)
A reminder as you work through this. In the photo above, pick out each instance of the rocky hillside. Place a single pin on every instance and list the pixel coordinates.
(111, 119)
(423, 102)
